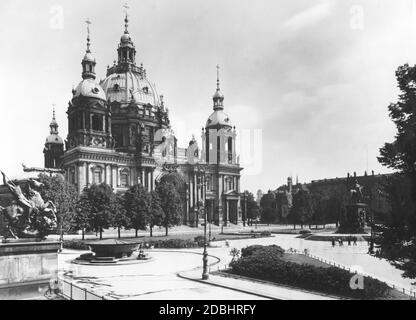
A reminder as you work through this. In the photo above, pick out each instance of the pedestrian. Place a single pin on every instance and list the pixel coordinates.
(354, 239)
(333, 241)
(349, 240)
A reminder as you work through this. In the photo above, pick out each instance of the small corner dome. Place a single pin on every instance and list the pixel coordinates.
(53, 123)
(218, 95)
(90, 89)
(89, 57)
(218, 118)
(125, 37)
(54, 139)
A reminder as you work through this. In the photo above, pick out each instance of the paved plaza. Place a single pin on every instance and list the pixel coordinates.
(158, 278)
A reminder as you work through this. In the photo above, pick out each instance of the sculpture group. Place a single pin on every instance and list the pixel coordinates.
(28, 215)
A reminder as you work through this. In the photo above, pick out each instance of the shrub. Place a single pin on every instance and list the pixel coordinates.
(200, 240)
(265, 234)
(265, 263)
(259, 249)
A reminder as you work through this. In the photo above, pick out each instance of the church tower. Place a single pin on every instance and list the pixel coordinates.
(218, 138)
(219, 153)
(89, 118)
(54, 146)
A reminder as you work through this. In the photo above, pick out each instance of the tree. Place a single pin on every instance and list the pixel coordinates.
(302, 208)
(98, 203)
(319, 203)
(268, 211)
(253, 209)
(64, 195)
(155, 214)
(81, 219)
(119, 218)
(398, 237)
(170, 201)
(137, 203)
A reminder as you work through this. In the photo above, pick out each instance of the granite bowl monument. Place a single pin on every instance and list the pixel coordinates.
(112, 251)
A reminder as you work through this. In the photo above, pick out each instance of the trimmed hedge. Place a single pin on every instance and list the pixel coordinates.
(265, 263)
(174, 244)
(263, 250)
(75, 245)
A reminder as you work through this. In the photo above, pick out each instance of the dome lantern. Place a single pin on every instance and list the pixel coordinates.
(218, 96)
(218, 119)
(88, 62)
(126, 49)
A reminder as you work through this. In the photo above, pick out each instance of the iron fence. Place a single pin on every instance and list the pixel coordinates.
(71, 291)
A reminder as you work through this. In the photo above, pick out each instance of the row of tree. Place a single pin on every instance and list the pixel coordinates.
(306, 207)
(99, 208)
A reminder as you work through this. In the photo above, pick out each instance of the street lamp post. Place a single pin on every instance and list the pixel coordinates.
(61, 238)
(245, 208)
(209, 231)
(202, 184)
(205, 275)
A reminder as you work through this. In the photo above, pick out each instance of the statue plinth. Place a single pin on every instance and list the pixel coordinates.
(354, 219)
(24, 264)
(25, 259)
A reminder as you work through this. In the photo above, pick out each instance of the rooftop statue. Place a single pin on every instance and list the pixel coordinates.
(29, 215)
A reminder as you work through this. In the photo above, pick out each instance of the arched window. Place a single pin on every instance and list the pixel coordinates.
(209, 182)
(97, 122)
(72, 177)
(97, 174)
(124, 178)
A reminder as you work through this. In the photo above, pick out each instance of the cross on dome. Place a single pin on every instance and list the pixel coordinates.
(88, 22)
(126, 20)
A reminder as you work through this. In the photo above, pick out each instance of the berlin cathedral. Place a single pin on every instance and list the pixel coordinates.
(119, 133)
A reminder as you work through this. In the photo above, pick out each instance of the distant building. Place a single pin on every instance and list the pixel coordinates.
(334, 187)
(259, 196)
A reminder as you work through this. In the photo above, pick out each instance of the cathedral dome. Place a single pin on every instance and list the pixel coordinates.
(90, 89)
(130, 87)
(218, 119)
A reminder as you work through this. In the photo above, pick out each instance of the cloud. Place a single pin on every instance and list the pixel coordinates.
(310, 16)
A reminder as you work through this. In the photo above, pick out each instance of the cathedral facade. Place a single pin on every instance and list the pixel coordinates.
(119, 133)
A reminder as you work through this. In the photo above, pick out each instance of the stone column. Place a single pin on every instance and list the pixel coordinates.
(108, 174)
(114, 177)
(233, 149)
(142, 177)
(146, 180)
(227, 216)
(81, 179)
(88, 175)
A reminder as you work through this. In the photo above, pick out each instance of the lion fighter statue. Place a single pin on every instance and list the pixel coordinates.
(28, 215)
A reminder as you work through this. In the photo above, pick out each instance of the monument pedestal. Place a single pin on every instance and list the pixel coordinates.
(26, 263)
(354, 219)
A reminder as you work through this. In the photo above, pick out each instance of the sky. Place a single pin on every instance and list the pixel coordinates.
(306, 83)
